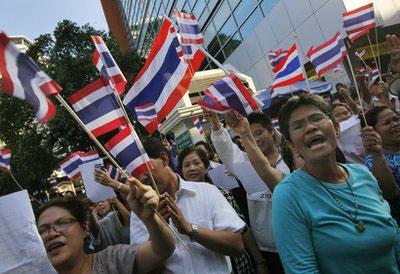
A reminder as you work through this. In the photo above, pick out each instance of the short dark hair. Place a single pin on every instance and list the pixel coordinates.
(208, 147)
(297, 101)
(189, 150)
(153, 147)
(372, 116)
(341, 105)
(78, 208)
(260, 118)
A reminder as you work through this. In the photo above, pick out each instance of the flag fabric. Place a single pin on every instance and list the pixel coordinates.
(146, 115)
(288, 70)
(192, 55)
(360, 54)
(23, 79)
(163, 80)
(197, 124)
(231, 93)
(52, 181)
(5, 160)
(96, 105)
(328, 55)
(275, 56)
(275, 123)
(189, 28)
(127, 153)
(211, 103)
(358, 22)
(106, 64)
(70, 165)
(337, 68)
(114, 173)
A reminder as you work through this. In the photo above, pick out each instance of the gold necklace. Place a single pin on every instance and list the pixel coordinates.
(358, 224)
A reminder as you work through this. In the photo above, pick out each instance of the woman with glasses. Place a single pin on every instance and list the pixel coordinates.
(62, 223)
(328, 217)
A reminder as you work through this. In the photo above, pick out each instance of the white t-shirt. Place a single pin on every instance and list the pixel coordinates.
(260, 203)
(201, 204)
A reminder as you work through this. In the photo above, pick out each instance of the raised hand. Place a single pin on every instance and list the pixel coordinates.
(163, 207)
(142, 200)
(372, 141)
(183, 226)
(102, 177)
(237, 123)
(212, 118)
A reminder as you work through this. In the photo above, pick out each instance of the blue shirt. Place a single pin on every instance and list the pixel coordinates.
(314, 235)
(393, 159)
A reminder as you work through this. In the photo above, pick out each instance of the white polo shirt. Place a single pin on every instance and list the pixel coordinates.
(201, 204)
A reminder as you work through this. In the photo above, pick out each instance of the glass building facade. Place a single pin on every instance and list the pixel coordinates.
(224, 23)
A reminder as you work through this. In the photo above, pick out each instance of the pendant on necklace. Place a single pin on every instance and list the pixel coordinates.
(360, 227)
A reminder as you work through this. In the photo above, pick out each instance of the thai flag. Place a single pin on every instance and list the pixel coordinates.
(211, 103)
(193, 56)
(114, 173)
(360, 54)
(374, 73)
(328, 55)
(231, 93)
(127, 153)
(107, 66)
(337, 68)
(188, 28)
(23, 79)
(5, 160)
(289, 70)
(146, 114)
(96, 105)
(197, 123)
(275, 56)
(358, 22)
(163, 80)
(70, 165)
(275, 123)
(52, 181)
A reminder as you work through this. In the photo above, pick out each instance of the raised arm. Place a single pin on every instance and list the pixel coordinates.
(372, 143)
(143, 201)
(270, 175)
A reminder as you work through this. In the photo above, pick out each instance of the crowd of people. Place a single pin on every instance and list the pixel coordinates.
(332, 203)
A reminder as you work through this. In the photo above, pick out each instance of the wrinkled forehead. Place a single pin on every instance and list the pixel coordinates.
(303, 112)
(53, 214)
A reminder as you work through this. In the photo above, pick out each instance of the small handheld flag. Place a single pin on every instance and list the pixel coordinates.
(70, 165)
(358, 22)
(5, 160)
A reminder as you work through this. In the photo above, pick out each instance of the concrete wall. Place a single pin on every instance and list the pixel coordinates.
(314, 22)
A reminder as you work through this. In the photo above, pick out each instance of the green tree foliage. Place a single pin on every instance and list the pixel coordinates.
(66, 56)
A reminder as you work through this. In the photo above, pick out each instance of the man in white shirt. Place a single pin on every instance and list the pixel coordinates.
(257, 138)
(205, 220)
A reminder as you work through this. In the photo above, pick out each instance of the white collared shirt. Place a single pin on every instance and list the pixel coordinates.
(201, 204)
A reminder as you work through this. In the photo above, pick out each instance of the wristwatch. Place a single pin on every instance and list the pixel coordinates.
(195, 232)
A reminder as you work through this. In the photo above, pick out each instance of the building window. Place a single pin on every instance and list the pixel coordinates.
(221, 15)
(251, 23)
(267, 6)
(243, 10)
(209, 33)
(232, 44)
(227, 30)
(198, 8)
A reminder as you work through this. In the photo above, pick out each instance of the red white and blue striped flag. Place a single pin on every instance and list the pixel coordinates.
(107, 66)
(70, 165)
(328, 55)
(23, 79)
(163, 80)
(211, 103)
(96, 105)
(127, 153)
(189, 28)
(288, 71)
(114, 173)
(275, 56)
(358, 22)
(231, 93)
(5, 160)
(197, 123)
(147, 116)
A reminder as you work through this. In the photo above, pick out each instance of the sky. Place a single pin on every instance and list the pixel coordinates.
(35, 17)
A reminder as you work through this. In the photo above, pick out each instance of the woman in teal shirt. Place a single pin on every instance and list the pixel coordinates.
(328, 217)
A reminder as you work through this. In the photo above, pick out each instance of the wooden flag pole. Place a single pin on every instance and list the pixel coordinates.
(377, 49)
(373, 54)
(100, 146)
(357, 90)
(20, 187)
(296, 37)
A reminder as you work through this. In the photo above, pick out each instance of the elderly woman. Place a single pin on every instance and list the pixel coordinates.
(328, 217)
(62, 224)
(194, 164)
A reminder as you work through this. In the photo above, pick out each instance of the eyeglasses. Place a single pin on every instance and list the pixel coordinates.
(314, 119)
(60, 226)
